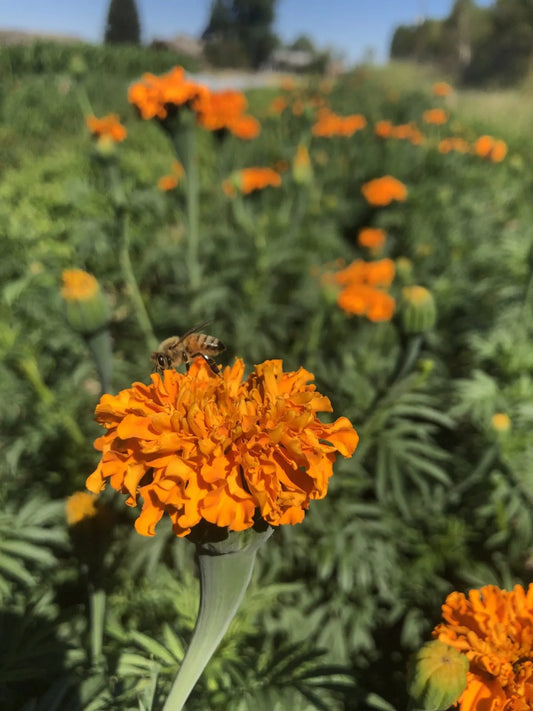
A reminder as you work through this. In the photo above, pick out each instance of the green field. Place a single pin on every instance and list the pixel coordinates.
(437, 496)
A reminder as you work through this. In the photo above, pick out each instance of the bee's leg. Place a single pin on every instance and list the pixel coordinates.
(210, 362)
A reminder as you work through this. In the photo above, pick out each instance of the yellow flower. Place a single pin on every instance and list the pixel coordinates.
(80, 506)
(219, 449)
(494, 629)
(86, 306)
(501, 422)
(78, 285)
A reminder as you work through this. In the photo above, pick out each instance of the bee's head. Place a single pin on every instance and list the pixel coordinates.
(161, 362)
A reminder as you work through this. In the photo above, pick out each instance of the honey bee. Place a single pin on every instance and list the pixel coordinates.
(174, 351)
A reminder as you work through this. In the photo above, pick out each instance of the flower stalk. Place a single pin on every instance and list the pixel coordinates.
(224, 578)
(185, 145)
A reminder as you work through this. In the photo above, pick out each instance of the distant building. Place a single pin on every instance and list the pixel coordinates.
(181, 44)
(290, 60)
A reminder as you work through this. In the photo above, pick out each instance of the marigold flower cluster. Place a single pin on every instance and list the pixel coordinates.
(494, 628)
(154, 96)
(362, 291)
(220, 449)
(330, 124)
(453, 143)
(224, 111)
(490, 148)
(158, 96)
(278, 105)
(249, 180)
(404, 131)
(108, 126)
(441, 88)
(435, 116)
(382, 191)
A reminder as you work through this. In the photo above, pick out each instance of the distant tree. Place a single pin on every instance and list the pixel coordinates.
(240, 31)
(123, 24)
(303, 43)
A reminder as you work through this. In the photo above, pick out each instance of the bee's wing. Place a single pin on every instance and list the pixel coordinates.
(188, 333)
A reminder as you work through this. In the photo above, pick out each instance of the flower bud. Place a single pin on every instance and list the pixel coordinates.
(418, 311)
(86, 306)
(302, 171)
(437, 676)
(501, 422)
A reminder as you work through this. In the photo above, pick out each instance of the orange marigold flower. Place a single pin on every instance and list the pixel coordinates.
(156, 96)
(490, 148)
(435, 116)
(167, 183)
(382, 191)
(361, 294)
(108, 126)
(78, 285)
(441, 88)
(494, 628)
(224, 450)
(330, 124)
(224, 111)
(454, 143)
(499, 151)
(383, 129)
(278, 105)
(248, 180)
(372, 238)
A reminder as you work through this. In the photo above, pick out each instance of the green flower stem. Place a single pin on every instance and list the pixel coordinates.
(97, 604)
(84, 101)
(133, 289)
(30, 369)
(99, 344)
(408, 356)
(225, 572)
(185, 145)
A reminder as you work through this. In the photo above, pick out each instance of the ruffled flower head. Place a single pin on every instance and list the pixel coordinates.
(382, 191)
(362, 291)
(108, 127)
(157, 96)
(494, 629)
(219, 449)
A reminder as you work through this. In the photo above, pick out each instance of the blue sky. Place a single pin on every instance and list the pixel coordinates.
(352, 26)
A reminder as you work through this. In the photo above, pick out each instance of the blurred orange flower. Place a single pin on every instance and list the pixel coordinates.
(494, 628)
(383, 129)
(156, 96)
(108, 126)
(249, 180)
(454, 143)
(435, 116)
(224, 110)
(169, 182)
(382, 191)
(220, 449)
(330, 124)
(441, 88)
(372, 238)
(278, 105)
(490, 148)
(361, 293)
